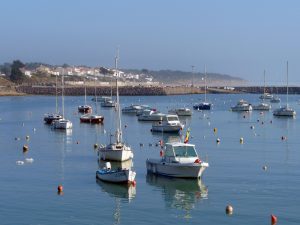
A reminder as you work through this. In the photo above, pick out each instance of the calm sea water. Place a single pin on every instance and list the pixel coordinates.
(235, 176)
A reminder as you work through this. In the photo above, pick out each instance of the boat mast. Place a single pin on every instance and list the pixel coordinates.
(96, 97)
(56, 101)
(62, 96)
(263, 99)
(205, 83)
(84, 93)
(119, 131)
(287, 84)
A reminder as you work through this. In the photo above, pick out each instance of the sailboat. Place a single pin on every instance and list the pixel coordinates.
(50, 117)
(285, 110)
(62, 123)
(92, 118)
(203, 105)
(84, 108)
(116, 151)
(263, 106)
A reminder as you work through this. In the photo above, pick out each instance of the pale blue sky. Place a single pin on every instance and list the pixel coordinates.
(236, 37)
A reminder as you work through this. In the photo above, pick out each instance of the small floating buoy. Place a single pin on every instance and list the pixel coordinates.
(125, 125)
(29, 160)
(252, 127)
(283, 138)
(218, 140)
(265, 167)
(273, 219)
(25, 148)
(96, 145)
(27, 137)
(229, 209)
(244, 116)
(17, 138)
(215, 130)
(262, 122)
(241, 140)
(141, 144)
(77, 142)
(60, 188)
(19, 163)
(257, 120)
(156, 145)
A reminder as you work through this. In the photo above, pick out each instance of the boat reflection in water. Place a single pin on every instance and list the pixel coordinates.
(178, 193)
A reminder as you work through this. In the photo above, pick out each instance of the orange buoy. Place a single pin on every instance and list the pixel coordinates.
(60, 188)
(273, 219)
(215, 130)
(229, 209)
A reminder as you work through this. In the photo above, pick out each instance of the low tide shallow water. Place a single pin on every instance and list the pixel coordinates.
(235, 176)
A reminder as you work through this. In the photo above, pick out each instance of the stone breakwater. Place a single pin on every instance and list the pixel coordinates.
(272, 90)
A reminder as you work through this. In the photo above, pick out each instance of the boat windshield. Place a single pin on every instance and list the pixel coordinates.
(185, 151)
(172, 118)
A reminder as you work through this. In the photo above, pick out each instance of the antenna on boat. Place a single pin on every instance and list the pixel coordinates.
(56, 100)
(62, 95)
(205, 83)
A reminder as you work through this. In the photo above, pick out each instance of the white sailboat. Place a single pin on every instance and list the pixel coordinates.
(263, 106)
(62, 123)
(117, 151)
(50, 117)
(285, 110)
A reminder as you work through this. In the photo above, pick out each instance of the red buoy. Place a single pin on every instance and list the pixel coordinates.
(60, 188)
(133, 183)
(273, 219)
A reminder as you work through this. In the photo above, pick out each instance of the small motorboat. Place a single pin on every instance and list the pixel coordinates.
(91, 118)
(101, 99)
(275, 99)
(84, 109)
(132, 109)
(266, 96)
(108, 103)
(242, 105)
(150, 115)
(115, 175)
(178, 160)
(169, 124)
(262, 107)
(50, 117)
(202, 106)
(62, 124)
(181, 111)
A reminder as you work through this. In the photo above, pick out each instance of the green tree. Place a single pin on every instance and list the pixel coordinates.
(16, 74)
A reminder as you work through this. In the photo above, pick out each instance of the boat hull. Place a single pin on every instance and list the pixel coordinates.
(114, 154)
(62, 124)
(166, 129)
(92, 119)
(48, 119)
(116, 176)
(202, 106)
(180, 170)
(284, 112)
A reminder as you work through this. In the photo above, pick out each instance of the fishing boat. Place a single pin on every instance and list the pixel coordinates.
(242, 105)
(50, 117)
(169, 124)
(118, 150)
(92, 118)
(203, 105)
(118, 175)
(285, 110)
(178, 160)
(150, 115)
(62, 123)
(181, 111)
(263, 106)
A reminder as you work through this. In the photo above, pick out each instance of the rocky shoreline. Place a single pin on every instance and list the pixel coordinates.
(138, 90)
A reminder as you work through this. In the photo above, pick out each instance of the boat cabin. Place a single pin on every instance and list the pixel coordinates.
(180, 153)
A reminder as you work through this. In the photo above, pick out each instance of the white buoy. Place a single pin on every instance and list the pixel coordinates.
(229, 209)
(29, 160)
(19, 163)
(265, 167)
(218, 140)
(242, 140)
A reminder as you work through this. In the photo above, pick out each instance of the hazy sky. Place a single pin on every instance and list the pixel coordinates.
(236, 37)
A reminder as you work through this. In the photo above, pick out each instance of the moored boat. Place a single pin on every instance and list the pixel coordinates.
(242, 105)
(169, 124)
(178, 160)
(90, 118)
(181, 111)
(150, 115)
